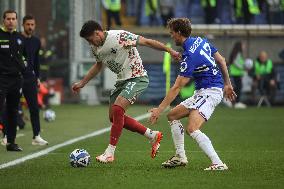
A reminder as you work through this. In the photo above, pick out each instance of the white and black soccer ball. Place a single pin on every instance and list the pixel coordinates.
(49, 115)
(248, 64)
(80, 158)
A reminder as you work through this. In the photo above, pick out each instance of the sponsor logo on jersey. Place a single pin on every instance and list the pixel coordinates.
(196, 44)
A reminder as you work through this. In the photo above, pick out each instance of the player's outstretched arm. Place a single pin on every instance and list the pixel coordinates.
(158, 45)
(171, 95)
(229, 92)
(93, 71)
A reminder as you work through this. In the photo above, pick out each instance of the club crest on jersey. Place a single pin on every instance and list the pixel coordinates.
(113, 50)
(183, 66)
(19, 41)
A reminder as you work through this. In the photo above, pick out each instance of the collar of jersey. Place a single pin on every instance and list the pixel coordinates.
(105, 36)
(185, 42)
(5, 30)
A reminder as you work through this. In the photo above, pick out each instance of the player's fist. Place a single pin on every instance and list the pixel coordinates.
(155, 114)
(229, 93)
(76, 87)
(176, 55)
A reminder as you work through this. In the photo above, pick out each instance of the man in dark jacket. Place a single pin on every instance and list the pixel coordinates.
(31, 77)
(12, 65)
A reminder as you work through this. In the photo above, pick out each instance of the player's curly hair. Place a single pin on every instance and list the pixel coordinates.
(89, 27)
(180, 25)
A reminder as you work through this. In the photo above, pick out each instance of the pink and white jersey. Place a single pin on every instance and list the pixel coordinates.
(120, 55)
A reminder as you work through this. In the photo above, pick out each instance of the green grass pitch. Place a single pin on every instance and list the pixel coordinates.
(250, 142)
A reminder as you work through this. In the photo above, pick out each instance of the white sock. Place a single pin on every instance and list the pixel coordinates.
(150, 134)
(178, 137)
(110, 150)
(206, 145)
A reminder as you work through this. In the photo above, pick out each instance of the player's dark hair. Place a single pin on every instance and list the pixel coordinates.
(236, 49)
(180, 25)
(28, 17)
(9, 11)
(89, 27)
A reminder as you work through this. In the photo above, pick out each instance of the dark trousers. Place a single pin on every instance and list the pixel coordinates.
(4, 119)
(210, 14)
(30, 94)
(115, 15)
(10, 91)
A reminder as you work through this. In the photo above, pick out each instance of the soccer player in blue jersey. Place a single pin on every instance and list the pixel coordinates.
(202, 62)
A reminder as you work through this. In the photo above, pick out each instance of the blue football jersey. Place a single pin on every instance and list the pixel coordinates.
(198, 63)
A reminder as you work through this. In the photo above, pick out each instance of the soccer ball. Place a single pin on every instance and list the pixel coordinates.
(49, 115)
(80, 158)
(248, 64)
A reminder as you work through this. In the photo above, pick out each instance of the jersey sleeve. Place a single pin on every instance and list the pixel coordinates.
(186, 67)
(128, 39)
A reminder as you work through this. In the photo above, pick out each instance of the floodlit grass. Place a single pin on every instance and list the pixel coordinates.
(249, 141)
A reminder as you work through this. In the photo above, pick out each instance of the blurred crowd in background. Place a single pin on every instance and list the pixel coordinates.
(157, 12)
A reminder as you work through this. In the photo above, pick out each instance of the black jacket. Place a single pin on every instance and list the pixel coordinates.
(12, 53)
(32, 47)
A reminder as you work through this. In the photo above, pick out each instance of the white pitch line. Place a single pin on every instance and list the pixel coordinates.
(20, 135)
(68, 142)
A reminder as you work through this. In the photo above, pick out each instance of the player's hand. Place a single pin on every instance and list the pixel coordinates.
(155, 114)
(176, 55)
(229, 93)
(76, 87)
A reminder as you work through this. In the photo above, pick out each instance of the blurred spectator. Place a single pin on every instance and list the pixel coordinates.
(281, 55)
(276, 11)
(112, 8)
(210, 11)
(182, 8)
(225, 11)
(45, 57)
(1, 128)
(237, 70)
(44, 93)
(167, 8)
(263, 16)
(282, 11)
(131, 7)
(187, 91)
(264, 77)
(245, 11)
(151, 10)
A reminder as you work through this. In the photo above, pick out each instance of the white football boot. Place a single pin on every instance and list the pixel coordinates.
(217, 167)
(175, 161)
(39, 141)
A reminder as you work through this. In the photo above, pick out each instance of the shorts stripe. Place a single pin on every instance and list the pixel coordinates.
(203, 101)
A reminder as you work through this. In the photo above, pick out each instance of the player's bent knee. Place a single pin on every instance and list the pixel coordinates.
(190, 130)
(171, 116)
